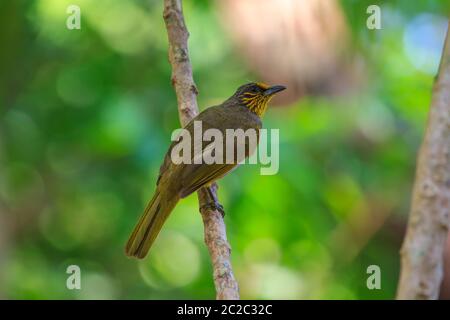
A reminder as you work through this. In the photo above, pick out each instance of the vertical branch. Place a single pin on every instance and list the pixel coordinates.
(186, 92)
(422, 253)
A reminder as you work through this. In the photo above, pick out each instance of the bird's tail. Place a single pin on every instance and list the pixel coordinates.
(148, 226)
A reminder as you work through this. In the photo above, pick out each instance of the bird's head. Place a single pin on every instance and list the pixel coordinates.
(256, 95)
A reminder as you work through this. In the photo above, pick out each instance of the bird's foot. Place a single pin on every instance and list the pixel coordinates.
(214, 206)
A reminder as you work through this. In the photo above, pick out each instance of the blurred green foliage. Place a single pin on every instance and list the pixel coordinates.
(86, 117)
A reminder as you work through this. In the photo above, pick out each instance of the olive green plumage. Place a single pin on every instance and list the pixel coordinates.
(176, 181)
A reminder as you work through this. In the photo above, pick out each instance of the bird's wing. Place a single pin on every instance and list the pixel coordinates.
(194, 176)
(198, 176)
(167, 163)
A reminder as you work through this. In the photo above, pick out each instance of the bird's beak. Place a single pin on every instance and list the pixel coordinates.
(274, 89)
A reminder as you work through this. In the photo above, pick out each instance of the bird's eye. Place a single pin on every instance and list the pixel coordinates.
(256, 89)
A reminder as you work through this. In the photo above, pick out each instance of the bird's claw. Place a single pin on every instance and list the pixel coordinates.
(214, 206)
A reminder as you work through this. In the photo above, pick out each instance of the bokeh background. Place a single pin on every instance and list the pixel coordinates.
(86, 117)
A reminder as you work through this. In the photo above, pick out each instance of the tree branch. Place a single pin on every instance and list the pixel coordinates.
(186, 91)
(423, 248)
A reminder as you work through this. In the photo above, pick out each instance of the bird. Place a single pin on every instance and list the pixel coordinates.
(243, 110)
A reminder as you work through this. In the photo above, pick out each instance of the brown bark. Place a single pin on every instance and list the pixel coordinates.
(423, 249)
(186, 92)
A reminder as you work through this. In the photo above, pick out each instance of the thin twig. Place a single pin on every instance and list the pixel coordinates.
(186, 91)
(423, 249)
